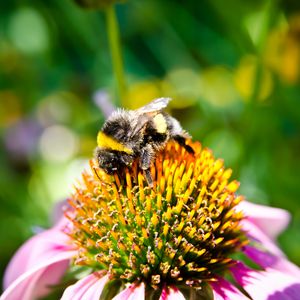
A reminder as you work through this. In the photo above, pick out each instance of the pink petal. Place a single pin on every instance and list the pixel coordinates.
(58, 211)
(171, 293)
(38, 264)
(27, 286)
(269, 284)
(35, 251)
(133, 292)
(258, 236)
(267, 260)
(272, 221)
(87, 288)
(224, 290)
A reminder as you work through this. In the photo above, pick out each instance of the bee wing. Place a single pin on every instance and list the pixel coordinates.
(140, 124)
(145, 113)
(155, 105)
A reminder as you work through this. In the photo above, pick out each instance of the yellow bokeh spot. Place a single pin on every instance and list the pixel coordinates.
(245, 79)
(282, 52)
(182, 85)
(217, 86)
(141, 93)
(10, 108)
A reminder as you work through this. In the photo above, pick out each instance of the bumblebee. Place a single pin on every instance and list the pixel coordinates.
(137, 134)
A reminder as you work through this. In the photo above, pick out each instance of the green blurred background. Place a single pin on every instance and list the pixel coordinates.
(232, 68)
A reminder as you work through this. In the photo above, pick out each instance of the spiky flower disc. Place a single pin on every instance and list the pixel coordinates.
(182, 231)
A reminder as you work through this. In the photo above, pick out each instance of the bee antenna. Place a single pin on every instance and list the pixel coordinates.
(96, 173)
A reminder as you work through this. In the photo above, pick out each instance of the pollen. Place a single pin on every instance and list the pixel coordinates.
(182, 230)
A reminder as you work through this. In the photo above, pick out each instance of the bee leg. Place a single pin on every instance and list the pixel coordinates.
(149, 178)
(182, 141)
(147, 154)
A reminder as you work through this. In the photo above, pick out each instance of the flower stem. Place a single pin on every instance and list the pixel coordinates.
(115, 49)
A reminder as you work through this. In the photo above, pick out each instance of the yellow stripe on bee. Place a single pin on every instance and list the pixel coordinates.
(108, 142)
(160, 123)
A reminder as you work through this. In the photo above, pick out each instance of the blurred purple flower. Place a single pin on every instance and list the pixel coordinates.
(103, 101)
(21, 139)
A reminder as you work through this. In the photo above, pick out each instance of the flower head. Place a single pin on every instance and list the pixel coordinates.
(180, 232)
(178, 239)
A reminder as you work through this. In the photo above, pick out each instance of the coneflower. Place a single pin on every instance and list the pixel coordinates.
(190, 236)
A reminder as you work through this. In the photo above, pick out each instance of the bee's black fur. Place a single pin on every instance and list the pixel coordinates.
(118, 129)
(151, 135)
(182, 141)
(112, 160)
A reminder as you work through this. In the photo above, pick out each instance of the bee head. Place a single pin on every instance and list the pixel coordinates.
(111, 161)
